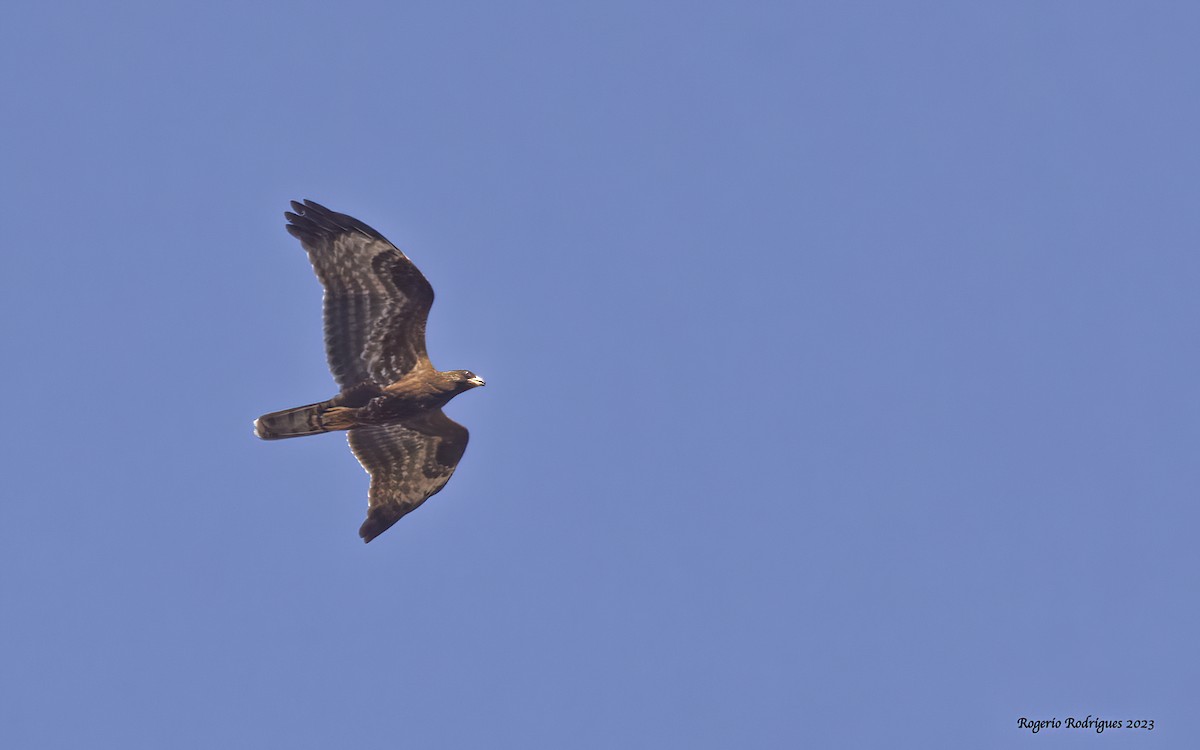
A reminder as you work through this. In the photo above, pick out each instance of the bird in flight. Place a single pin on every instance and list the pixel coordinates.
(391, 398)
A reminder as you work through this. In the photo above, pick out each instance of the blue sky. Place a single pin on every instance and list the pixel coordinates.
(843, 380)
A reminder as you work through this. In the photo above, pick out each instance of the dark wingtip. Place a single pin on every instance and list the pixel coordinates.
(317, 206)
(379, 520)
(315, 221)
(370, 530)
(307, 224)
(309, 208)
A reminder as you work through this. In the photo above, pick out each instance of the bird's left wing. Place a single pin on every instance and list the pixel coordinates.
(408, 462)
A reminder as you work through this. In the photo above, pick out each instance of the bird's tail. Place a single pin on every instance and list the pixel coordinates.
(300, 421)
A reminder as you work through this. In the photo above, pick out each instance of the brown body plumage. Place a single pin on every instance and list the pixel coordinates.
(391, 398)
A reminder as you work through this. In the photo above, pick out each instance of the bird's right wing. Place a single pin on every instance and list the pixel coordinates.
(376, 301)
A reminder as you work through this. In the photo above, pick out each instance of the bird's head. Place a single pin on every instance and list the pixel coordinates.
(466, 379)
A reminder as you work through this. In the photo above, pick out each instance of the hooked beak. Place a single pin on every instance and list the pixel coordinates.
(476, 381)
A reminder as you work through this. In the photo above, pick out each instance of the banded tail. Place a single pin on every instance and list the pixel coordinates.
(298, 422)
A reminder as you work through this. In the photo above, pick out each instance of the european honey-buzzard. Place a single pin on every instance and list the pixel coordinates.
(376, 305)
